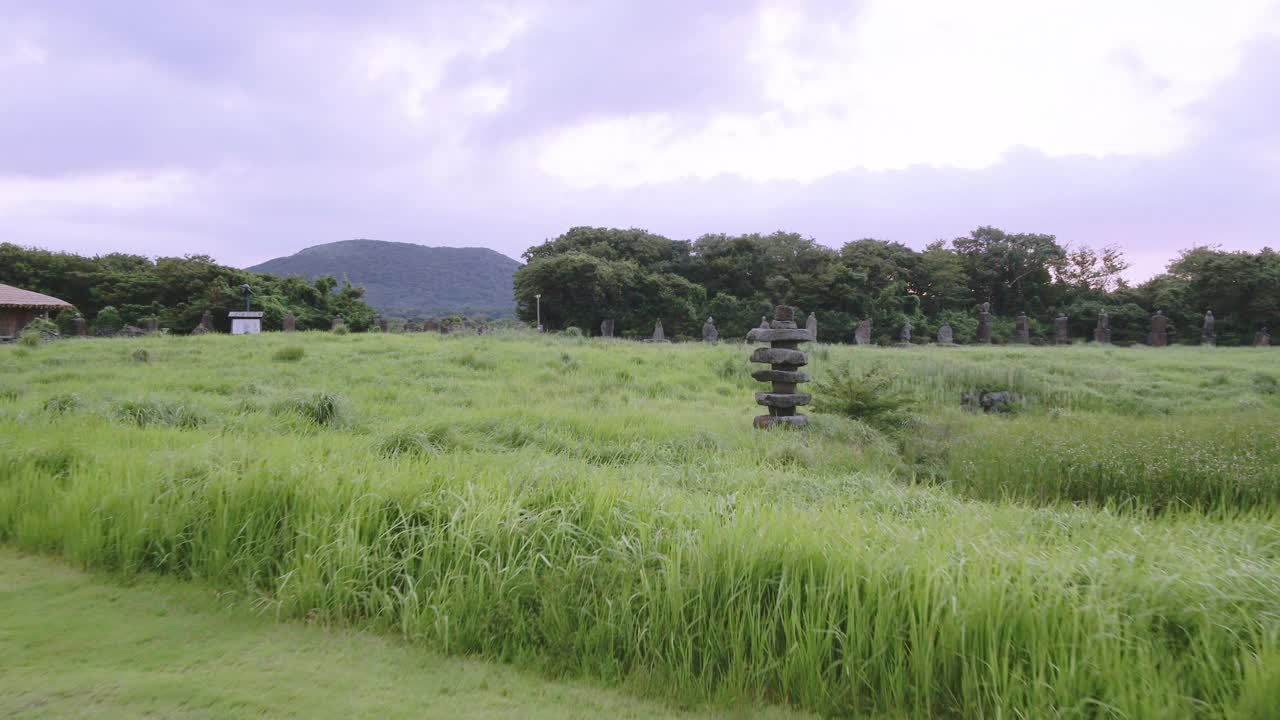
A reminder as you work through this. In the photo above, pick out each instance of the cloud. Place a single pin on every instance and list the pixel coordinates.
(250, 130)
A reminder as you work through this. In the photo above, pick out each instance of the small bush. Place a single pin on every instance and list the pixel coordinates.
(140, 355)
(341, 330)
(144, 413)
(871, 396)
(108, 321)
(38, 331)
(318, 408)
(406, 443)
(1265, 384)
(29, 339)
(62, 403)
(572, 331)
(8, 394)
(292, 353)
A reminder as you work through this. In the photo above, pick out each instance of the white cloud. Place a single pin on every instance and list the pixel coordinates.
(907, 82)
(93, 193)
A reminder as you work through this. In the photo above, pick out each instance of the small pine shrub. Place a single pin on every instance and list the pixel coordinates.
(341, 330)
(292, 353)
(140, 355)
(317, 408)
(872, 396)
(144, 413)
(29, 339)
(572, 331)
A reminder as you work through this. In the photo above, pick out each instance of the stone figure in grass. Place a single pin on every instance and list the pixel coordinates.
(658, 334)
(1102, 333)
(709, 333)
(1262, 338)
(946, 336)
(1207, 334)
(812, 326)
(1061, 332)
(904, 337)
(984, 324)
(862, 335)
(1159, 329)
(1022, 329)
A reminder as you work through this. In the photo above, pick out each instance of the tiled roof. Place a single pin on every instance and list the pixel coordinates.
(16, 297)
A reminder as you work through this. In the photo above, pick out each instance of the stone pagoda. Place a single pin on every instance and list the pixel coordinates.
(784, 360)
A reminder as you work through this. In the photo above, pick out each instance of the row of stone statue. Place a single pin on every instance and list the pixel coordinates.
(1159, 336)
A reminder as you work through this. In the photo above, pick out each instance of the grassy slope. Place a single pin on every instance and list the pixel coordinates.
(72, 645)
(604, 508)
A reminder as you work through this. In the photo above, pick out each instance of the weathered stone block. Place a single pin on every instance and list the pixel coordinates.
(781, 376)
(792, 421)
(780, 356)
(785, 335)
(783, 400)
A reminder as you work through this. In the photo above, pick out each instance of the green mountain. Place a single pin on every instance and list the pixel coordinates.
(407, 280)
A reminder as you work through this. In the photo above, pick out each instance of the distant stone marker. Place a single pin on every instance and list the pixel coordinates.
(904, 336)
(246, 322)
(812, 326)
(1061, 331)
(946, 336)
(1102, 333)
(1159, 329)
(152, 325)
(337, 323)
(785, 360)
(658, 334)
(382, 324)
(1262, 338)
(984, 324)
(862, 335)
(606, 328)
(80, 327)
(709, 333)
(290, 322)
(1207, 334)
(1022, 329)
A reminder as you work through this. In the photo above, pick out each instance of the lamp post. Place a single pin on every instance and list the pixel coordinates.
(538, 297)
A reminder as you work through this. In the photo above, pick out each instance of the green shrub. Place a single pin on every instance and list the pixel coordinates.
(872, 396)
(1265, 384)
(29, 339)
(62, 403)
(341, 330)
(572, 331)
(144, 413)
(408, 442)
(108, 321)
(318, 408)
(140, 355)
(291, 353)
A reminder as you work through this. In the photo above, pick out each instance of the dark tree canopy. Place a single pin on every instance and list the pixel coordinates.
(636, 277)
(177, 291)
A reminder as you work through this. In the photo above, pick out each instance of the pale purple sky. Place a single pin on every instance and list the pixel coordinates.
(248, 130)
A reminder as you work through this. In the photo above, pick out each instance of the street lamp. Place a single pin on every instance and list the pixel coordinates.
(538, 297)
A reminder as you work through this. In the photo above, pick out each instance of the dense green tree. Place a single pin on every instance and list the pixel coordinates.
(177, 291)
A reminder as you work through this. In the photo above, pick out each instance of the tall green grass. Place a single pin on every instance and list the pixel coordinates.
(615, 515)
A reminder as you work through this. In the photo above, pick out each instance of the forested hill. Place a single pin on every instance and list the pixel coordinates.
(407, 280)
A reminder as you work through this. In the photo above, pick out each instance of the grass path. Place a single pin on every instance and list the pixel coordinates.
(79, 645)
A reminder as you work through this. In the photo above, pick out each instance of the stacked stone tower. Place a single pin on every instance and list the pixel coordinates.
(784, 360)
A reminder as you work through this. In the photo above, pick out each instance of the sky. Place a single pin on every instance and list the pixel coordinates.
(248, 130)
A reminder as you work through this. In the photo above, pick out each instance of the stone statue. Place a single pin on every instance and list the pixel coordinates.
(1022, 329)
(812, 326)
(1102, 333)
(946, 336)
(1159, 329)
(80, 326)
(290, 322)
(1262, 338)
(862, 335)
(658, 335)
(984, 324)
(606, 328)
(1207, 335)
(709, 333)
(905, 335)
(337, 322)
(785, 360)
(248, 293)
(1061, 333)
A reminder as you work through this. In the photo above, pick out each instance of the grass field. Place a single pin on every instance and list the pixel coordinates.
(604, 509)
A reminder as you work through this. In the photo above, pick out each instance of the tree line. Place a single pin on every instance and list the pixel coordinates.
(635, 277)
(116, 289)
